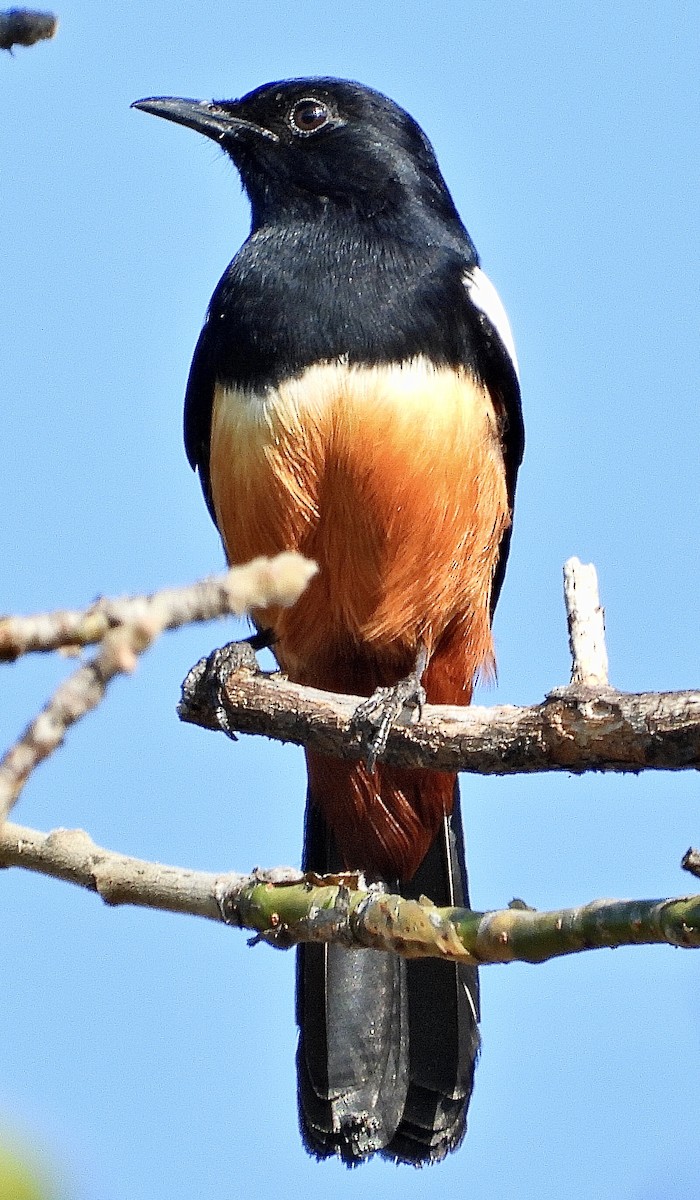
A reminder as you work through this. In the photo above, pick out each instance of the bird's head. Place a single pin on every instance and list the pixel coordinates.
(303, 145)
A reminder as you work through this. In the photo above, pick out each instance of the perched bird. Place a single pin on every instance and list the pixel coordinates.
(354, 395)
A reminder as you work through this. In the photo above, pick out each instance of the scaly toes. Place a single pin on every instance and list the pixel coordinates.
(204, 687)
(375, 717)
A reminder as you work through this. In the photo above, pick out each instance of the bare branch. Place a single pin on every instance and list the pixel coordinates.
(23, 27)
(576, 728)
(586, 621)
(71, 855)
(263, 581)
(284, 907)
(585, 726)
(76, 696)
(573, 729)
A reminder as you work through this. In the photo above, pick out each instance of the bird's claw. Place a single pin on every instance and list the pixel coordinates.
(373, 719)
(203, 699)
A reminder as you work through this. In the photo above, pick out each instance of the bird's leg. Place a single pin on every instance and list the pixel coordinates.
(374, 718)
(203, 699)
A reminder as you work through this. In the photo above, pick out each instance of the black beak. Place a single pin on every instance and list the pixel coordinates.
(204, 116)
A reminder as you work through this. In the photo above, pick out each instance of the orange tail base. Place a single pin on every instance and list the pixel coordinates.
(385, 819)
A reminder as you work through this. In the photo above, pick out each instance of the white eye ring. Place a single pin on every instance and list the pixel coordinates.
(308, 115)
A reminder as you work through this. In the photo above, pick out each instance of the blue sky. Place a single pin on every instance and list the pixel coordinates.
(150, 1055)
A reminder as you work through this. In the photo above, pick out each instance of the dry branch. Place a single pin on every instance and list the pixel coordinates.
(585, 726)
(126, 629)
(285, 908)
(573, 729)
(586, 621)
(576, 728)
(263, 581)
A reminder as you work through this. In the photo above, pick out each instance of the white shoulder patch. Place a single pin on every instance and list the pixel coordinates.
(485, 297)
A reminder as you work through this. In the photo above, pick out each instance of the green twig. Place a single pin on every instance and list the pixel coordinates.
(284, 907)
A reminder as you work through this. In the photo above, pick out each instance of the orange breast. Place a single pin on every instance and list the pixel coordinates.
(392, 479)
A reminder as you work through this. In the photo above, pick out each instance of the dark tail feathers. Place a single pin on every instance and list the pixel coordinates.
(387, 1048)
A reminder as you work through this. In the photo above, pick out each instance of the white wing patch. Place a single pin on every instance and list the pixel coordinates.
(485, 297)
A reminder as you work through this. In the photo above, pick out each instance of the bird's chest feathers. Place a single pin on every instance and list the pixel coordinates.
(383, 475)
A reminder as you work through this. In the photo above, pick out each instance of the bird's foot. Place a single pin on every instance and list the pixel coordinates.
(203, 699)
(375, 717)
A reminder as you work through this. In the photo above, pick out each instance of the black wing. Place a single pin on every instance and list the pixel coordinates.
(199, 402)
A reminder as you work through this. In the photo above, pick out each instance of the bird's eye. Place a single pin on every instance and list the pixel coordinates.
(308, 115)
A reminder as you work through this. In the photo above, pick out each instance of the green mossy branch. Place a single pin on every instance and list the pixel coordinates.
(283, 907)
(286, 914)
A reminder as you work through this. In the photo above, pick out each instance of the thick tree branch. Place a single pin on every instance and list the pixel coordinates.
(576, 728)
(285, 908)
(585, 726)
(573, 729)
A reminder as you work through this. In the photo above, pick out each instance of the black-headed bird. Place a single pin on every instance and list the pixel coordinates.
(354, 395)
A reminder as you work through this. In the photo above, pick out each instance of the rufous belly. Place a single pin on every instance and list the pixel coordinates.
(392, 479)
